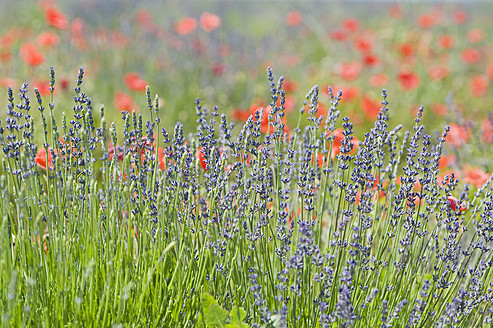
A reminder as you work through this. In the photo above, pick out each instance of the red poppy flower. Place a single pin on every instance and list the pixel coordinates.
(289, 85)
(41, 158)
(379, 80)
(363, 44)
(444, 161)
(124, 101)
(457, 136)
(119, 153)
(439, 109)
(337, 35)
(453, 203)
(209, 22)
(370, 60)
(349, 93)
(144, 19)
(470, 56)
(56, 18)
(31, 55)
(487, 130)
(460, 17)
(77, 27)
(489, 71)
(446, 41)
(395, 11)
(289, 103)
(475, 35)
(240, 114)
(43, 87)
(201, 157)
(475, 176)
(371, 107)
(134, 82)
(349, 71)
(7, 82)
(408, 80)
(479, 85)
(337, 143)
(406, 49)
(293, 18)
(48, 39)
(350, 24)
(427, 20)
(186, 25)
(437, 73)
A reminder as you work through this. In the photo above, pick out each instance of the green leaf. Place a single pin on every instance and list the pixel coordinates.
(214, 314)
(237, 316)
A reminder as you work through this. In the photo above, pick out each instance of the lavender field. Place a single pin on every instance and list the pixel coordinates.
(246, 164)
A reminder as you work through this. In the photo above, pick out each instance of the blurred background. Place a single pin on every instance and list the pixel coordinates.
(435, 54)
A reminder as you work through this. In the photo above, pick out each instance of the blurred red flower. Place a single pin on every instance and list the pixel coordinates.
(479, 85)
(134, 82)
(7, 82)
(395, 11)
(30, 54)
(124, 101)
(475, 35)
(240, 114)
(48, 39)
(370, 60)
(406, 49)
(56, 18)
(293, 18)
(470, 56)
(439, 109)
(379, 80)
(446, 41)
(209, 22)
(363, 44)
(41, 158)
(370, 107)
(338, 35)
(43, 87)
(350, 24)
(408, 80)
(453, 203)
(337, 144)
(427, 20)
(460, 17)
(349, 71)
(487, 130)
(144, 19)
(457, 136)
(475, 176)
(186, 25)
(437, 73)
(349, 93)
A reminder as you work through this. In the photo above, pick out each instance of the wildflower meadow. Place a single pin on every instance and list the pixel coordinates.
(246, 164)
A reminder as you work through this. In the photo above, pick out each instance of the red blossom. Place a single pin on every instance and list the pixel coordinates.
(460, 17)
(479, 85)
(470, 56)
(186, 25)
(406, 49)
(48, 39)
(41, 158)
(457, 136)
(370, 60)
(370, 107)
(349, 71)
(379, 80)
(475, 35)
(437, 73)
(30, 54)
(293, 18)
(446, 41)
(338, 35)
(209, 22)
(43, 87)
(134, 82)
(408, 80)
(124, 101)
(427, 20)
(475, 176)
(453, 203)
(350, 24)
(395, 11)
(56, 18)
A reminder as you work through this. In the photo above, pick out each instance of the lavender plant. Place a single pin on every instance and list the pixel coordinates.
(235, 227)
